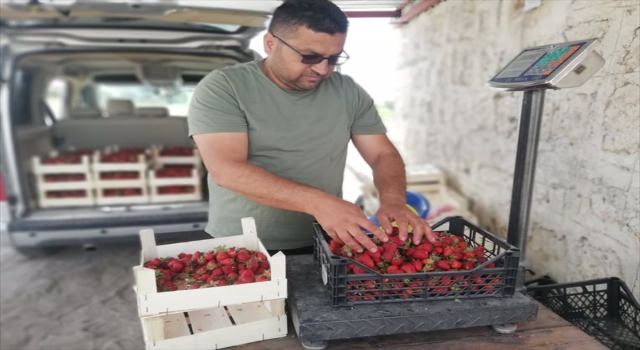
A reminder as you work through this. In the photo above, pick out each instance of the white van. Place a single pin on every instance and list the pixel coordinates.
(93, 75)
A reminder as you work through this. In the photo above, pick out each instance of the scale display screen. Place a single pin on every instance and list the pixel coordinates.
(537, 64)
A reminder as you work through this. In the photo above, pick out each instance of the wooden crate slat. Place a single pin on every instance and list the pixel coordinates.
(209, 319)
(175, 325)
(248, 312)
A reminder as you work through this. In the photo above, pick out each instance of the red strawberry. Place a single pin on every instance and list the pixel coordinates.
(409, 252)
(176, 267)
(252, 265)
(262, 279)
(209, 256)
(221, 283)
(261, 256)
(211, 265)
(447, 240)
(389, 251)
(447, 251)
(259, 271)
(457, 256)
(358, 271)
(439, 250)
(455, 264)
(375, 256)
(194, 286)
(156, 262)
(246, 277)
(217, 272)
(441, 264)
(243, 256)
(408, 268)
(232, 252)
(417, 265)
(226, 262)
(491, 265)
(469, 255)
(467, 265)
(204, 277)
(346, 251)
(196, 255)
(366, 260)
(264, 264)
(397, 261)
(392, 269)
(420, 254)
(222, 256)
(427, 247)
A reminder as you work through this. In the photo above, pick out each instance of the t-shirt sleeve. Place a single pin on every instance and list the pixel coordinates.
(366, 121)
(214, 107)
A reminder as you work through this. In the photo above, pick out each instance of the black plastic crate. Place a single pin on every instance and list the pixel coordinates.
(347, 289)
(603, 308)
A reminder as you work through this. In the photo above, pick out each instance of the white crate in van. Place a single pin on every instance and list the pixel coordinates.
(156, 182)
(160, 160)
(213, 328)
(39, 168)
(140, 166)
(153, 303)
(44, 186)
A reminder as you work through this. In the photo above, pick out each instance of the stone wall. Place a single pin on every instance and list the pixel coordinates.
(585, 214)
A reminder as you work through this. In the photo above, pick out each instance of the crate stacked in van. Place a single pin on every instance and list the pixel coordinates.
(120, 176)
(210, 294)
(176, 175)
(64, 179)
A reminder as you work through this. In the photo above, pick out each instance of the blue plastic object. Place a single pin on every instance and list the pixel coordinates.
(415, 200)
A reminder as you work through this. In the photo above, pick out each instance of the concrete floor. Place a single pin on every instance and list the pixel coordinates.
(74, 299)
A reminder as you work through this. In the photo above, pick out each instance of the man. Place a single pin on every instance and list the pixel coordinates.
(273, 135)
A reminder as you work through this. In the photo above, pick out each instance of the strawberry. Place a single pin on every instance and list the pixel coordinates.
(209, 256)
(252, 265)
(259, 271)
(243, 256)
(246, 277)
(226, 262)
(457, 256)
(467, 265)
(408, 268)
(232, 252)
(176, 267)
(469, 255)
(156, 262)
(456, 265)
(417, 265)
(366, 260)
(392, 269)
(420, 254)
(439, 250)
(196, 255)
(222, 256)
(217, 272)
(204, 277)
(261, 279)
(261, 256)
(358, 271)
(409, 252)
(447, 241)
(397, 261)
(389, 251)
(346, 251)
(447, 251)
(375, 256)
(264, 264)
(211, 265)
(427, 247)
(194, 286)
(441, 264)
(221, 283)
(491, 265)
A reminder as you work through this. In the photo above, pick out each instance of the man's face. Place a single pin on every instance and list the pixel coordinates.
(286, 64)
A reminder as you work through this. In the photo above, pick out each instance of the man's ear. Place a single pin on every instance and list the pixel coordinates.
(269, 43)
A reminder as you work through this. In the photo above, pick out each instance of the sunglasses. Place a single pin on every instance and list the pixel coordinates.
(334, 60)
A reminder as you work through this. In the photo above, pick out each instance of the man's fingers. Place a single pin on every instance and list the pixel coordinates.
(418, 230)
(349, 241)
(384, 221)
(334, 235)
(402, 228)
(369, 226)
(361, 237)
(429, 233)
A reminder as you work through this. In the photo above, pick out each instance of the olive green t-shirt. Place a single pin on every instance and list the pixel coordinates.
(298, 135)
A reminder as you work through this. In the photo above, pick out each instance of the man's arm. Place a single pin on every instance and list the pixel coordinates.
(225, 157)
(390, 180)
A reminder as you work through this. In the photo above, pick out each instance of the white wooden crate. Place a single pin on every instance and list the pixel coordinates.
(151, 302)
(101, 199)
(39, 168)
(160, 160)
(216, 328)
(425, 178)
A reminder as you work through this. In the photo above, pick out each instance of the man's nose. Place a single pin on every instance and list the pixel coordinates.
(322, 68)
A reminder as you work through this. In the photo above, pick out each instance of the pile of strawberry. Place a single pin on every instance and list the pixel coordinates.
(64, 177)
(216, 268)
(177, 152)
(66, 194)
(122, 156)
(174, 171)
(122, 192)
(394, 258)
(119, 175)
(176, 189)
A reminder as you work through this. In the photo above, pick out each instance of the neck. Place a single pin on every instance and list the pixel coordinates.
(268, 72)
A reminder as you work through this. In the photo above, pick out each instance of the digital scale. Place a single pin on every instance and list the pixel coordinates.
(533, 71)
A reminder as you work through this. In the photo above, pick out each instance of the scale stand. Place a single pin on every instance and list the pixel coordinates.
(534, 71)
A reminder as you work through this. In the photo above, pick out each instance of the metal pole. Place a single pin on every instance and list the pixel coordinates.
(523, 177)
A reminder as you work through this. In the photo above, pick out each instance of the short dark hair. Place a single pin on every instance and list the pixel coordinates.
(321, 16)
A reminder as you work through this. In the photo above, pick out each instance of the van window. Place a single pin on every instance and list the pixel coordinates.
(177, 101)
(56, 97)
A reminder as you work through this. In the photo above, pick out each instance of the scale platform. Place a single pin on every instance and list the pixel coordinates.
(316, 322)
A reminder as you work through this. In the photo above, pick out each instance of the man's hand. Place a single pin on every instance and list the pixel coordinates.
(342, 221)
(403, 216)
